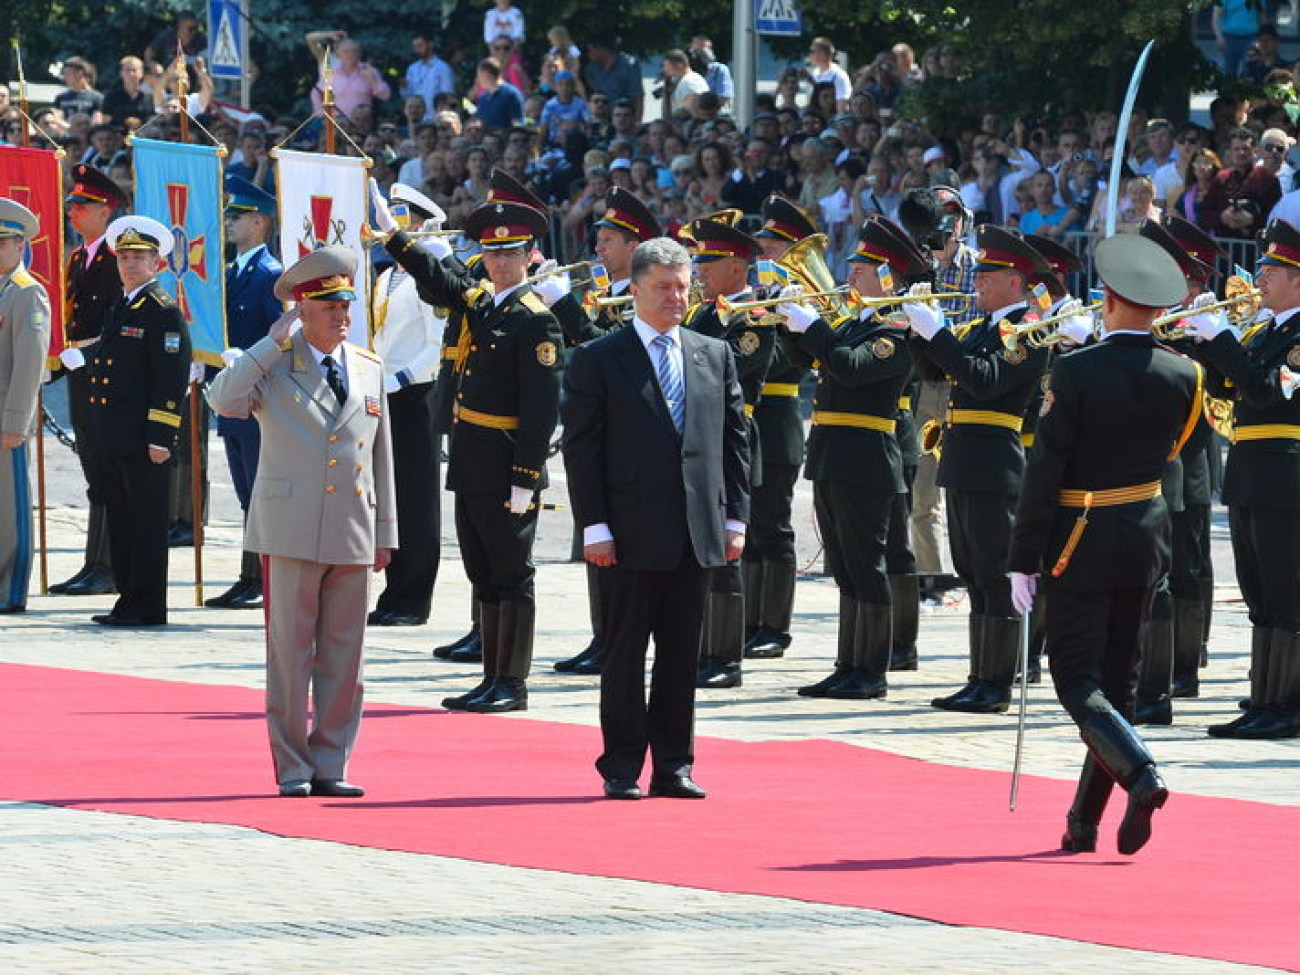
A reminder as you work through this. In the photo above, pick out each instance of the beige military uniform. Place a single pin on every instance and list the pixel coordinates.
(24, 343)
(323, 503)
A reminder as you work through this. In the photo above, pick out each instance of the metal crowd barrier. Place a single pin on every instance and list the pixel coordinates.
(1240, 253)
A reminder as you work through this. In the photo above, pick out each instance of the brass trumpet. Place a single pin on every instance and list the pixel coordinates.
(562, 269)
(1043, 333)
(594, 300)
(855, 300)
(1242, 304)
(370, 235)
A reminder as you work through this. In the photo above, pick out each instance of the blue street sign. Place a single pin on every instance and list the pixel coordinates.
(226, 39)
(777, 17)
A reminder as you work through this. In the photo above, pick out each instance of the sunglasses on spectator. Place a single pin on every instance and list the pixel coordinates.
(1186, 140)
(1273, 147)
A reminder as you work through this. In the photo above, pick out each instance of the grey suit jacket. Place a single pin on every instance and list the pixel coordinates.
(324, 488)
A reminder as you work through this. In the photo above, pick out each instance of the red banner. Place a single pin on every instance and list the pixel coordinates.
(33, 178)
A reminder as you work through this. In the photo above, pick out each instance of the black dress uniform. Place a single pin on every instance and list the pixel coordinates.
(856, 466)
(1092, 521)
(91, 288)
(505, 411)
(768, 561)
(752, 344)
(627, 215)
(1261, 487)
(138, 372)
(981, 464)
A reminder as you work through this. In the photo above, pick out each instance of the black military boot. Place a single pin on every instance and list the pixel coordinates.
(509, 691)
(1280, 715)
(239, 596)
(848, 622)
(489, 638)
(1156, 674)
(1124, 755)
(865, 679)
(998, 664)
(590, 659)
(772, 638)
(471, 641)
(751, 581)
(724, 639)
(905, 603)
(1207, 616)
(1090, 798)
(975, 627)
(1261, 641)
(1188, 628)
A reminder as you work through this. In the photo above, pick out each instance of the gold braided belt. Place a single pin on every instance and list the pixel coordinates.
(1087, 500)
(1266, 431)
(490, 420)
(863, 421)
(780, 389)
(988, 418)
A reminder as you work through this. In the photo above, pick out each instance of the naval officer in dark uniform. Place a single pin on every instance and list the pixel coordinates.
(91, 288)
(982, 460)
(1091, 523)
(138, 372)
(505, 411)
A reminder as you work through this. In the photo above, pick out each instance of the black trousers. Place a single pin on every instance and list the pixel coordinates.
(135, 496)
(1191, 551)
(770, 535)
(638, 606)
(979, 529)
(496, 548)
(417, 465)
(1266, 550)
(854, 525)
(1094, 643)
(900, 560)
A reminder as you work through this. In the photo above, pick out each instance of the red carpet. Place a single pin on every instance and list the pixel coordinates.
(813, 820)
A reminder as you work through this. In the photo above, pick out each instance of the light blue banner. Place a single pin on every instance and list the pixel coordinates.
(180, 187)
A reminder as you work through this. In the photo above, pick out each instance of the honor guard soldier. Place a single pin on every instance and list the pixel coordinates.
(1261, 481)
(854, 461)
(138, 371)
(626, 223)
(408, 338)
(1091, 523)
(506, 406)
(982, 460)
(722, 256)
(91, 288)
(502, 188)
(323, 515)
(24, 344)
(769, 560)
(251, 309)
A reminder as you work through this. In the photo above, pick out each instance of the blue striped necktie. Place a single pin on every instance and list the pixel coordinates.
(669, 374)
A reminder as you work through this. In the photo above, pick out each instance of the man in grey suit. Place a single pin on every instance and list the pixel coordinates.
(657, 455)
(322, 512)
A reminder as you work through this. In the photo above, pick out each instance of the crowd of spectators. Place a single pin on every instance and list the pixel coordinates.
(834, 134)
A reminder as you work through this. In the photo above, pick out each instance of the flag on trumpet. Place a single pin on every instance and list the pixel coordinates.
(772, 275)
(599, 277)
(1240, 272)
(1042, 297)
(32, 177)
(886, 277)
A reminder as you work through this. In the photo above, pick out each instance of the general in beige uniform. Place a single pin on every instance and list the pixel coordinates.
(322, 513)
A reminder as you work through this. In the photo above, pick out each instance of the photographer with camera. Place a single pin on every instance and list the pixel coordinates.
(1242, 194)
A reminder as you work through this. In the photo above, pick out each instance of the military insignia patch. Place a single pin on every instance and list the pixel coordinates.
(172, 342)
(1293, 357)
(1048, 399)
(132, 332)
(547, 354)
(748, 343)
(882, 348)
(372, 406)
(1014, 357)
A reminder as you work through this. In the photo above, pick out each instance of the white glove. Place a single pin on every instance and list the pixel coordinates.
(1208, 324)
(72, 359)
(1287, 381)
(392, 384)
(552, 289)
(797, 317)
(436, 219)
(437, 246)
(520, 499)
(1023, 590)
(229, 356)
(546, 267)
(1078, 327)
(383, 216)
(197, 371)
(926, 318)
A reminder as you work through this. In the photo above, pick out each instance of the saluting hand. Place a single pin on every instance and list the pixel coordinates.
(279, 332)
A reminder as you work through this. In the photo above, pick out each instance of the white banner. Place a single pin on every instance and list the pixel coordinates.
(324, 202)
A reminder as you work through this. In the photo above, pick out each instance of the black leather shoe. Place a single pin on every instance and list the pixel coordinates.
(126, 622)
(767, 644)
(1159, 711)
(458, 702)
(1080, 837)
(468, 653)
(13, 609)
(503, 694)
(250, 598)
(622, 789)
(948, 703)
(180, 535)
(591, 666)
(336, 788)
(1146, 794)
(227, 598)
(1186, 685)
(983, 698)
(858, 685)
(376, 617)
(820, 688)
(444, 652)
(715, 674)
(903, 658)
(61, 588)
(1270, 723)
(1230, 729)
(571, 665)
(96, 582)
(403, 619)
(295, 789)
(676, 787)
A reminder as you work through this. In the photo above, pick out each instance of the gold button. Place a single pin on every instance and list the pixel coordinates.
(109, 363)
(93, 380)
(469, 372)
(329, 488)
(333, 462)
(360, 468)
(334, 438)
(358, 492)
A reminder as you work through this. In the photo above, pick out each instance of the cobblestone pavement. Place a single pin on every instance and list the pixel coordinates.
(109, 893)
